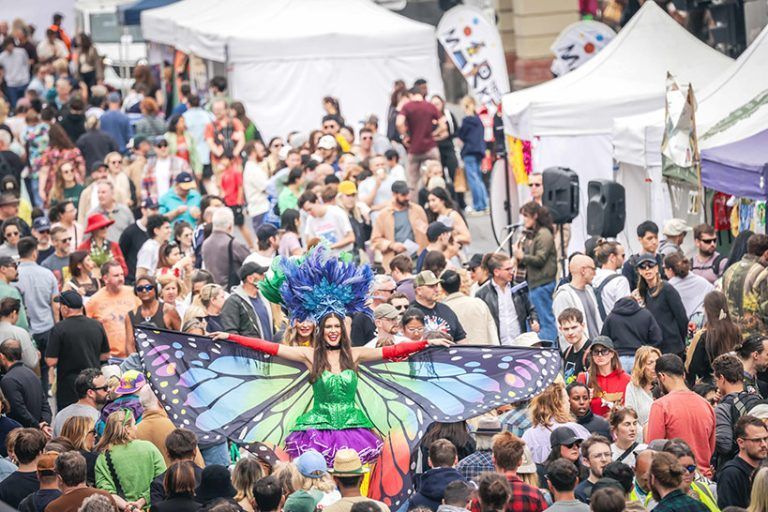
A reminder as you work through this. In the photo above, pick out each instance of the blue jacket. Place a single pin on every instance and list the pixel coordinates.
(118, 126)
(472, 134)
(431, 486)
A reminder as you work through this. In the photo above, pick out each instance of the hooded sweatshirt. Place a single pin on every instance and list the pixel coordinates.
(612, 388)
(630, 327)
(431, 487)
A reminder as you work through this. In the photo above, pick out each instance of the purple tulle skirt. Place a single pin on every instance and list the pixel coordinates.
(328, 442)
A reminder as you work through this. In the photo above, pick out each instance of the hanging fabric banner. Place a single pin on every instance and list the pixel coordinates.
(474, 45)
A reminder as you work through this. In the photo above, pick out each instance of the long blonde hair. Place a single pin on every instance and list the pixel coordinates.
(119, 430)
(641, 360)
(758, 501)
(76, 429)
(551, 406)
(247, 472)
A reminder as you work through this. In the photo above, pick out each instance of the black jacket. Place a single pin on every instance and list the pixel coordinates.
(177, 503)
(238, 316)
(523, 307)
(668, 310)
(734, 484)
(22, 388)
(431, 487)
(630, 327)
(94, 146)
(595, 424)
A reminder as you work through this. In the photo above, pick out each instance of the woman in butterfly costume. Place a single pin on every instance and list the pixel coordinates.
(378, 401)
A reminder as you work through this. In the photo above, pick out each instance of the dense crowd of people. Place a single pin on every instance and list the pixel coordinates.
(118, 211)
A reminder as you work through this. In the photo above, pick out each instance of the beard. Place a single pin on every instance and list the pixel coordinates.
(656, 495)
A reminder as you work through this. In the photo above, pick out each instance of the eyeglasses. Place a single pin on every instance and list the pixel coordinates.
(145, 288)
(691, 468)
(601, 351)
(708, 241)
(758, 440)
(414, 330)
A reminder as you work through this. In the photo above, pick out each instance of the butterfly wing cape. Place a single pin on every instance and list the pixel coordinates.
(221, 390)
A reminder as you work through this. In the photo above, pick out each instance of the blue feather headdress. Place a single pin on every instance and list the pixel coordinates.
(322, 284)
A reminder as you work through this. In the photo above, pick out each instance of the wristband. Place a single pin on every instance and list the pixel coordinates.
(268, 347)
(403, 350)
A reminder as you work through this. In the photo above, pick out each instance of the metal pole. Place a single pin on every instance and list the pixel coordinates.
(501, 153)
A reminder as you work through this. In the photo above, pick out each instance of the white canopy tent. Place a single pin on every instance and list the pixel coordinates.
(569, 120)
(284, 56)
(637, 139)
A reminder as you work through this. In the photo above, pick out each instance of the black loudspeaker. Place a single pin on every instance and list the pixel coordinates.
(606, 210)
(561, 194)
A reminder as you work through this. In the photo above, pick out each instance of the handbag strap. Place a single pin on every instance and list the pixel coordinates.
(626, 453)
(113, 473)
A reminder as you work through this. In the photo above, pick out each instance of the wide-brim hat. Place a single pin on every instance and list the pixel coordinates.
(347, 463)
(98, 221)
(130, 382)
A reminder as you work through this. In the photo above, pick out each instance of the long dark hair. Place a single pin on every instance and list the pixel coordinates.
(289, 220)
(239, 109)
(320, 361)
(540, 213)
(722, 334)
(441, 194)
(58, 138)
(456, 432)
(75, 259)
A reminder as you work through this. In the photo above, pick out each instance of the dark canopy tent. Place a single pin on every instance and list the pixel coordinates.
(131, 14)
(739, 168)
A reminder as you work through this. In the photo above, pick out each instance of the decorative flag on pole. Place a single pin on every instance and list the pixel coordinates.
(474, 45)
(577, 43)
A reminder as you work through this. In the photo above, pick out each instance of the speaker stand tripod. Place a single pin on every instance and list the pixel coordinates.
(563, 257)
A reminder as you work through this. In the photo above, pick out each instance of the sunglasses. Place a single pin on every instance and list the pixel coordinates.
(601, 351)
(691, 468)
(646, 266)
(144, 288)
(100, 388)
(708, 241)
(571, 445)
(401, 308)
(12, 233)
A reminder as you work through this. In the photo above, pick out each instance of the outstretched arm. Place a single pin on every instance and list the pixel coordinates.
(395, 352)
(297, 354)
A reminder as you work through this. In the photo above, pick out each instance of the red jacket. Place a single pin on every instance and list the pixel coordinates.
(612, 385)
(117, 254)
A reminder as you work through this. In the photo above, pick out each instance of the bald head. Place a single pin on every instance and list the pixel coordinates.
(582, 269)
(642, 468)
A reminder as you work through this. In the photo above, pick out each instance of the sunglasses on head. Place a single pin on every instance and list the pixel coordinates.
(144, 288)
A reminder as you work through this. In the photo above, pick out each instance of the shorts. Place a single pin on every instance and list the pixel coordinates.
(239, 215)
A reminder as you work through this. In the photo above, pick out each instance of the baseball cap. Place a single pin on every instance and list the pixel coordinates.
(400, 187)
(425, 278)
(41, 224)
(70, 298)
(47, 463)
(185, 180)
(251, 268)
(435, 229)
(327, 142)
(300, 501)
(475, 261)
(385, 310)
(348, 188)
(265, 232)
(98, 166)
(674, 227)
(604, 341)
(311, 464)
(136, 141)
(646, 258)
(563, 436)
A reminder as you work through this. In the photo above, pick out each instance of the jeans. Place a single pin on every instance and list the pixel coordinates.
(216, 454)
(541, 298)
(627, 362)
(413, 172)
(15, 94)
(475, 182)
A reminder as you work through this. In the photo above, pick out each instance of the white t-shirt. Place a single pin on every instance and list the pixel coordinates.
(148, 256)
(163, 175)
(332, 227)
(255, 257)
(383, 194)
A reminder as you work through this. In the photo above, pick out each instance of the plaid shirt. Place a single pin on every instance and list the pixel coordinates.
(676, 501)
(524, 498)
(516, 420)
(472, 465)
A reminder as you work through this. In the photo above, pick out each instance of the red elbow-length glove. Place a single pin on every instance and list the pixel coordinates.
(265, 346)
(403, 350)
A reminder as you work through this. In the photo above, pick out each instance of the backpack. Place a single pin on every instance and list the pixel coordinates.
(741, 405)
(599, 294)
(714, 266)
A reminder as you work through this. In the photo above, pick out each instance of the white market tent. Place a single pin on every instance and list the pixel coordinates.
(569, 120)
(637, 139)
(284, 56)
